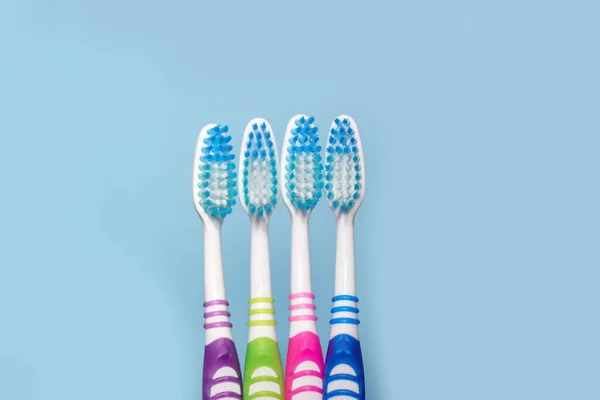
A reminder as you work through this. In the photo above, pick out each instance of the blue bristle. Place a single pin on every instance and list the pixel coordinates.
(303, 182)
(260, 167)
(342, 166)
(218, 193)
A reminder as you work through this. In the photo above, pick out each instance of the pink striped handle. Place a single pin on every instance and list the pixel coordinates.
(304, 347)
(302, 306)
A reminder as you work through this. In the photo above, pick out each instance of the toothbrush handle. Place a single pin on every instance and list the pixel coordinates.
(305, 357)
(263, 372)
(344, 370)
(221, 376)
(305, 347)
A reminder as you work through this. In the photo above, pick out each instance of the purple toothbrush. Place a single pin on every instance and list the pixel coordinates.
(214, 192)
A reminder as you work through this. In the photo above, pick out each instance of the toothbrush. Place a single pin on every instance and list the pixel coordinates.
(344, 189)
(301, 185)
(214, 195)
(257, 184)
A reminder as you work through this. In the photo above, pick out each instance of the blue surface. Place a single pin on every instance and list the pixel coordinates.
(477, 244)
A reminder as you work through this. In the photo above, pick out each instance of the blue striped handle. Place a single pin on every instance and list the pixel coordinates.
(345, 353)
(344, 349)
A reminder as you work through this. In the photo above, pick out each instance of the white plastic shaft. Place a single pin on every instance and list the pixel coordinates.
(300, 254)
(300, 277)
(260, 277)
(260, 269)
(345, 274)
(214, 283)
(345, 269)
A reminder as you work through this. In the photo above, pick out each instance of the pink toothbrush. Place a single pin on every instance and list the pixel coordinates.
(301, 187)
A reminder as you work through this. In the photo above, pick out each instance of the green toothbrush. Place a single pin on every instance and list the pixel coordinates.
(257, 183)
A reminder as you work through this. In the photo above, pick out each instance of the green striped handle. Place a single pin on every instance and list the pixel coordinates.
(263, 353)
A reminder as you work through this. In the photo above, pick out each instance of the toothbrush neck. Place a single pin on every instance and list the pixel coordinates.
(345, 270)
(260, 269)
(300, 255)
(214, 284)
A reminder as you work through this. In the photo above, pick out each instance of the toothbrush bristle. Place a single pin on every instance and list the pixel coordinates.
(304, 167)
(343, 178)
(259, 169)
(216, 173)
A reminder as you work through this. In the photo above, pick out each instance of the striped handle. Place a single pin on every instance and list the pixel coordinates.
(222, 377)
(263, 372)
(344, 371)
(304, 366)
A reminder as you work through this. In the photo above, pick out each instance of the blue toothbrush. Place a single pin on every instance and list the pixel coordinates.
(344, 190)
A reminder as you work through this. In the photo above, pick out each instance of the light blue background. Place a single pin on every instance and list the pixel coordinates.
(477, 245)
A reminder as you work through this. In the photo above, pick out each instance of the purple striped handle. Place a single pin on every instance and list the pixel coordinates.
(221, 363)
(218, 355)
(219, 313)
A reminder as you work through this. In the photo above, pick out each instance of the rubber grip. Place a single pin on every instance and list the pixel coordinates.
(263, 353)
(344, 350)
(218, 355)
(304, 347)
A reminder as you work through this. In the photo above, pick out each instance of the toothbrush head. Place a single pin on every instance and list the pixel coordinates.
(214, 177)
(301, 165)
(344, 166)
(257, 178)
